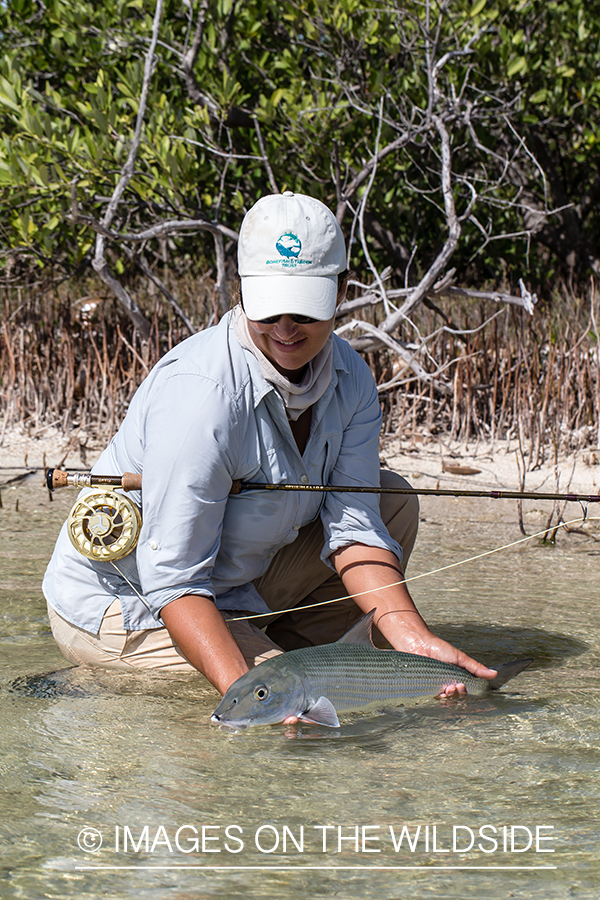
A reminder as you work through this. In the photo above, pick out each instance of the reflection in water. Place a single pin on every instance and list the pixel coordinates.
(135, 759)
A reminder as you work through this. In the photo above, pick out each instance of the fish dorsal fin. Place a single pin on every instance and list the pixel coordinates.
(322, 712)
(361, 632)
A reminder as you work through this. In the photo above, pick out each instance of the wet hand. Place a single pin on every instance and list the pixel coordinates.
(407, 631)
(436, 648)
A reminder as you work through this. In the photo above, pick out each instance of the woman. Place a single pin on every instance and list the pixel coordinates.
(268, 395)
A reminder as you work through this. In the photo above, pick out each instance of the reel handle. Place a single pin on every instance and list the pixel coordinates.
(56, 478)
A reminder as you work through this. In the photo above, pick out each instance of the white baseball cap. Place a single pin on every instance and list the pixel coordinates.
(290, 252)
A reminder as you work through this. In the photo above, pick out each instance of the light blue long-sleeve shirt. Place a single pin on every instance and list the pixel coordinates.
(203, 418)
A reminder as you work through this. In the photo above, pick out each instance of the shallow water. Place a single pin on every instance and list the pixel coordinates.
(135, 762)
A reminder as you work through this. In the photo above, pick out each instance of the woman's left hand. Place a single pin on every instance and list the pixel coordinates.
(373, 576)
(406, 630)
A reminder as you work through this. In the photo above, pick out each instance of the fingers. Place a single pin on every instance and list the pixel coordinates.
(474, 667)
(437, 649)
(425, 643)
(450, 691)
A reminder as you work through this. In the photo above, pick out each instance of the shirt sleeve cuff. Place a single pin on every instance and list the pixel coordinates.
(369, 538)
(157, 599)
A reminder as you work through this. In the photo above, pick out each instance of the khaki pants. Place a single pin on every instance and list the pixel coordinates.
(295, 578)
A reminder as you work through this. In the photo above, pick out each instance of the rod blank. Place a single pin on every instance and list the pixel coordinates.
(434, 492)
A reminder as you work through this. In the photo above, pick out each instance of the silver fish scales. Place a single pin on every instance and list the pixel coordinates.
(340, 673)
(315, 683)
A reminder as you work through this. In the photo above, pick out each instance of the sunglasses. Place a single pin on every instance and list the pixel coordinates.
(299, 320)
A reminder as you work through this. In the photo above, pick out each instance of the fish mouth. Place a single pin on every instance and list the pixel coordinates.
(218, 720)
(228, 726)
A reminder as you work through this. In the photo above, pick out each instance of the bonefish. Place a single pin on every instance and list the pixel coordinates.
(315, 683)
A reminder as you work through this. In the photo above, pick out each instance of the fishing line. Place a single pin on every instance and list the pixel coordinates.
(453, 565)
(132, 586)
(412, 577)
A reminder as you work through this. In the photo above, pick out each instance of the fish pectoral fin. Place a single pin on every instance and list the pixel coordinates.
(361, 632)
(322, 712)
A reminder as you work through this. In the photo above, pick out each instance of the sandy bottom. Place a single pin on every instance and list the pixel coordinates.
(450, 464)
(427, 461)
(19, 451)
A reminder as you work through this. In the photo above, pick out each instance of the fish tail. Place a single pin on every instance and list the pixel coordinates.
(506, 671)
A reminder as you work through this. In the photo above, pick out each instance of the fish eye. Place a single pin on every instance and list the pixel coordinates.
(260, 692)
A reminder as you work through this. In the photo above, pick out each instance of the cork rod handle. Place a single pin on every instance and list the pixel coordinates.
(55, 478)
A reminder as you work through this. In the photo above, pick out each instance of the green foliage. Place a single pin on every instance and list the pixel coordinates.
(324, 81)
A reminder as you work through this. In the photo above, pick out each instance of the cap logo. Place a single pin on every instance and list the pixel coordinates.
(289, 245)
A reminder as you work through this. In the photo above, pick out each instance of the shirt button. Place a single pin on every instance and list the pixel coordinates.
(304, 479)
(153, 545)
(297, 526)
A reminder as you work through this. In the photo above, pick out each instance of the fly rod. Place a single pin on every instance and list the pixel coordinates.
(133, 482)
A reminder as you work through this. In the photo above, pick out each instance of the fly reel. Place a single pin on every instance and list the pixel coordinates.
(104, 525)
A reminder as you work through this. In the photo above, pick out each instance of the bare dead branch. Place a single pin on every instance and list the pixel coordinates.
(174, 226)
(350, 190)
(454, 230)
(128, 168)
(265, 158)
(189, 60)
(221, 282)
(134, 312)
(139, 259)
(99, 262)
(361, 223)
(405, 355)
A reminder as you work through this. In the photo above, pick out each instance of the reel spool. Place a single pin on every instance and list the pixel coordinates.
(104, 525)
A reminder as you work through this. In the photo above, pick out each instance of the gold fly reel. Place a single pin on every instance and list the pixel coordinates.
(104, 525)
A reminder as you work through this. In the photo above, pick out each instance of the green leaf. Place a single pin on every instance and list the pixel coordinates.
(516, 66)
(539, 96)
